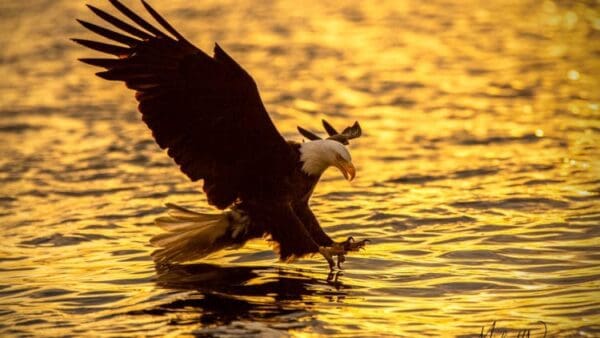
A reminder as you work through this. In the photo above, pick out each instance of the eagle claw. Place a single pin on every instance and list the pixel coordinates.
(351, 245)
(340, 249)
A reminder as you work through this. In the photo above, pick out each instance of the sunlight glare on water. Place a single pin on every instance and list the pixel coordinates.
(478, 173)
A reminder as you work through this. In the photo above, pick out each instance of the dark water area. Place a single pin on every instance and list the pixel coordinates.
(478, 175)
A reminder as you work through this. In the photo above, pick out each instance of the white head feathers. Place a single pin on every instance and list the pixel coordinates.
(319, 155)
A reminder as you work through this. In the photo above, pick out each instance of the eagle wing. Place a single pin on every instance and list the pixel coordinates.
(205, 110)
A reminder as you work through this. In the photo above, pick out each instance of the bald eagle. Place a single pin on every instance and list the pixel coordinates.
(207, 112)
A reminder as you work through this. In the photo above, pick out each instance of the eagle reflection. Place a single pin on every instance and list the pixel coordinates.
(226, 294)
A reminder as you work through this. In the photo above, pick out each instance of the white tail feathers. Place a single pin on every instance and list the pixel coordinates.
(191, 235)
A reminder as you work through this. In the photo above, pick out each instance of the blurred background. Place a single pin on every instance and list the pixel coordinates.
(478, 174)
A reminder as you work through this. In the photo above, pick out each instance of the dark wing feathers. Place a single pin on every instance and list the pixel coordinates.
(353, 131)
(163, 22)
(137, 19)
(308, 134)
(120, 24)
(104, 63)
(205, 110)
(329, 128)
(107, 33)
(104, 47)
(347, 134)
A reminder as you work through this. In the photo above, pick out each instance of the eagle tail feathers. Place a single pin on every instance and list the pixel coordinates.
(191, 235)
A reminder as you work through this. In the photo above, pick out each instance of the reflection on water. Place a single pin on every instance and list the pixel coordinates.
(478, 177)
(234, 297)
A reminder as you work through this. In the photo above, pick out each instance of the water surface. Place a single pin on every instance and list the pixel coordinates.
(478, 174)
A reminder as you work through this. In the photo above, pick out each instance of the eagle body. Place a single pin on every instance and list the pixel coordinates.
(278, 209)
(207, 113)
(286, 215)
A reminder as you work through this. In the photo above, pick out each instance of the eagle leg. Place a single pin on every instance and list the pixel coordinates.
(341, 259)
(329, 251)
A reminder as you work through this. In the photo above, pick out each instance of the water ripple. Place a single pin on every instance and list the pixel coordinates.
(477, 175)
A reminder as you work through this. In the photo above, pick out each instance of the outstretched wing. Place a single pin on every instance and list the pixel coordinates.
(205, 110)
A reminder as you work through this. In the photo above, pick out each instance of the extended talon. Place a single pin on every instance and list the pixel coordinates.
(355, 246)
(347, 243)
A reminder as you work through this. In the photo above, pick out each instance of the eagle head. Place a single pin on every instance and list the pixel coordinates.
(318, 155)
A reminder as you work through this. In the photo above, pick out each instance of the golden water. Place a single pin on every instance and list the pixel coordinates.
(478, 174)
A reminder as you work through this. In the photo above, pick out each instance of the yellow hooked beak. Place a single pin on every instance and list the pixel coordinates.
(347, 168)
